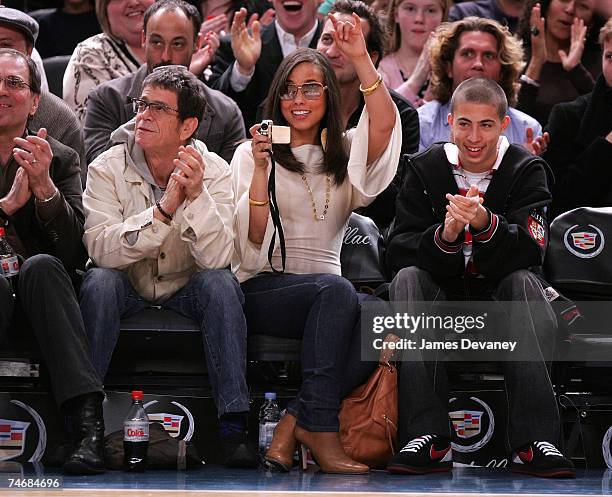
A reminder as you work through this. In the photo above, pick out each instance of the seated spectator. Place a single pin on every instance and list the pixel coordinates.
(42, 215)
(580, 151)
(411, 24)
(352, 102)
(562, 53)
(158, 224)
(505, 12)
(19, 31)
(115, 52)
(170, 37)
(246, 61)
(321, 177)
(472, 48)
(219, 14)
(470, 223)
(61, 29)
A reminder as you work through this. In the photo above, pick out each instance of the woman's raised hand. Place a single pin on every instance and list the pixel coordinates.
(349, 37)
(578, 37)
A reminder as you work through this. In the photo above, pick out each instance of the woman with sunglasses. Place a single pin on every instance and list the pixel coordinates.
(322, 175)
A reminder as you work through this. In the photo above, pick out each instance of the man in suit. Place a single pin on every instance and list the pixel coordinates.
(245, 62)
(170, 37)
(382, 210)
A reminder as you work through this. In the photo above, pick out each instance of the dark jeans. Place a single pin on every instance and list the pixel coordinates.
(46, 295)
(322, 310)
(211, 297)
(423, 387)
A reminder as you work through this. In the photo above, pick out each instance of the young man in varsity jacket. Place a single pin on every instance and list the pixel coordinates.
(470, 222)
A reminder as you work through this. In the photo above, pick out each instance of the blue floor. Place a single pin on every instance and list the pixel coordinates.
(462, 480)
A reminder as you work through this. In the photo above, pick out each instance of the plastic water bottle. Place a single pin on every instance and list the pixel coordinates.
(269, 416)
(136, 435)
(9, 263)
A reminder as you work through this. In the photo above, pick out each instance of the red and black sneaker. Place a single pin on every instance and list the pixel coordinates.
(542, 459)
(422, 455)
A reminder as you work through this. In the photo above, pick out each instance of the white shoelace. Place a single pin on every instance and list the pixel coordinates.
(417, 443)
(548, 449)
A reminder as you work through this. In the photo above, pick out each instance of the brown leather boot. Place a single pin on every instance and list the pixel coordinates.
(328, 453)
(279, 456)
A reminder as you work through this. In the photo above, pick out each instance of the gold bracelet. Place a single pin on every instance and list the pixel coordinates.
(370, 89)
(258, 203)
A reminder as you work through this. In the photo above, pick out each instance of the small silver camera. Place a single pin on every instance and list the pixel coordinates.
(278, 134)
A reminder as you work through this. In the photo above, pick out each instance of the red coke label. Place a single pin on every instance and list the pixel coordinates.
(136, 431)
(9, 266)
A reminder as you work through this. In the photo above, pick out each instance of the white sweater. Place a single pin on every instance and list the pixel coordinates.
(313, 246)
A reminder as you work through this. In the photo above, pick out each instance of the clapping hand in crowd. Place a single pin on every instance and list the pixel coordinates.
(462, 211)
(205, 54)
(33, 153)
(245, 46)
(537, 145)
(569, 60)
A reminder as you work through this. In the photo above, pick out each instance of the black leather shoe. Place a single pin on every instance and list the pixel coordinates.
(237, 452)
(86, 424)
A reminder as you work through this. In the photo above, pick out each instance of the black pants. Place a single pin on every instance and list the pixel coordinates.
(47, 297)
(423, 387)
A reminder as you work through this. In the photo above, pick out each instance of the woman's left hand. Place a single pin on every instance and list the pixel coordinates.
(570, 60)
(349, 37)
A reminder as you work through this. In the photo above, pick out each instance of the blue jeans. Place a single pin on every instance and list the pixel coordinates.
(322, 310)
(211, 297)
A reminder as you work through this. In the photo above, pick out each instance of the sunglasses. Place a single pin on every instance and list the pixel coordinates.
(311, 91)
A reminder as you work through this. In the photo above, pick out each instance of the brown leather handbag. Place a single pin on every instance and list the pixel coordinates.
(368, 419)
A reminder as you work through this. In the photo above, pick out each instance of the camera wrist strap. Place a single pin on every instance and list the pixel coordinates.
(276, 220)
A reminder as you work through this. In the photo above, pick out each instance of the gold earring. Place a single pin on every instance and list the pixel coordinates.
(324, 138)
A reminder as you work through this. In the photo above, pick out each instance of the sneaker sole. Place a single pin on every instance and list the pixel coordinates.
(552, 473)
(402, 469)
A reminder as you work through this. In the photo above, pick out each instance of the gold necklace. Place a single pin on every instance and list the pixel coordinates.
(312, 200)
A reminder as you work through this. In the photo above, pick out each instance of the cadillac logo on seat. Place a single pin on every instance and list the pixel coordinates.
(584, 241)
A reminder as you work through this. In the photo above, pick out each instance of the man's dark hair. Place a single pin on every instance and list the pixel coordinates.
(480, 91)
(189, 10)
(34, 75)
(188, 89)
(375, 41)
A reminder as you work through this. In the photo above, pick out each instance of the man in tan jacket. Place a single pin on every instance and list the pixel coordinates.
(158, 226)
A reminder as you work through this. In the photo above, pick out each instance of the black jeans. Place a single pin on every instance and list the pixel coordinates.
(423, 386)
(46, 295)
(322, 310)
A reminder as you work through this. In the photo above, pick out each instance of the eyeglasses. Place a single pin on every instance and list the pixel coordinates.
(311, 91)
(14, 83)
(157, 109)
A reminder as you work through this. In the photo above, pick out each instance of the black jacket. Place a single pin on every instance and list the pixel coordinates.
(382, 210)
(578, 153)
(109, 106)
(517, 195)
(254, 94)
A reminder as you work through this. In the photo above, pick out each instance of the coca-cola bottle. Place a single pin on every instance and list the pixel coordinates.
(9, 263)
(136, 435)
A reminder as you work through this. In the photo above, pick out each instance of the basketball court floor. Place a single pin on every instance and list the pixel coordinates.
(212, 481)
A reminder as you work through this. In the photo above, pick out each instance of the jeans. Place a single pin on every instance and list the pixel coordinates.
(211, 297)
(322, 310)
(423, 385)
(46, 295)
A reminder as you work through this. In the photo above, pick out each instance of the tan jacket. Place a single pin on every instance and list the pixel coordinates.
(121, 232)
